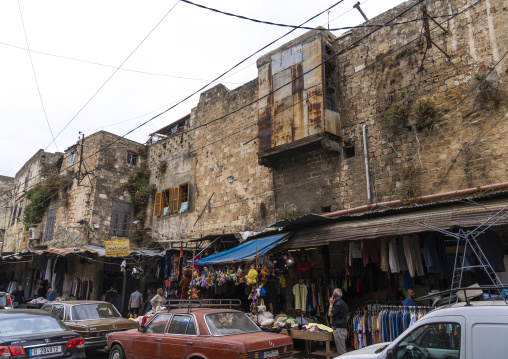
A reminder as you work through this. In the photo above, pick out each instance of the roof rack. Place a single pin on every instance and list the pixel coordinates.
(189, 304)
(465, 290)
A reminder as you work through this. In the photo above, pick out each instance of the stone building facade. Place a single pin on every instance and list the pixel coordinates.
(6, 186)
(433, 123)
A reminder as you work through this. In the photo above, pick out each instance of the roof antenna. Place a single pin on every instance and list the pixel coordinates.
(357, 5)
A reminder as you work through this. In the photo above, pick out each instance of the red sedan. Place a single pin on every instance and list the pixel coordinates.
(201, 333)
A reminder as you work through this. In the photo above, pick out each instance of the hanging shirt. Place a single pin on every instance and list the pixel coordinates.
(300, 293)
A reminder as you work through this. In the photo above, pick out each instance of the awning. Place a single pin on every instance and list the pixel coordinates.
(245, 251)
(455, 215)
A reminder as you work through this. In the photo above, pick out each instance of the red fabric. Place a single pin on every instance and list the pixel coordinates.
(304, 267)
(370, 251)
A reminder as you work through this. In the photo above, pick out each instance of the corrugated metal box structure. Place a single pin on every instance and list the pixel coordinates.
(298, 92)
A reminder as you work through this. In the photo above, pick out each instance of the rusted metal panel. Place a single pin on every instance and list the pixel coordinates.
(315, 109)
(282, 85)
(265, 109)
(287, 58)
(313, 58)
(332, 122)
(282, 124)
(298, 130)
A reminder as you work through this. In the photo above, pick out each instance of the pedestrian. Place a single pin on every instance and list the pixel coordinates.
(158, 299)
(338, 310)
(135, 302)
(41, 290)
(19, 297)
(149, 297)
(410, 300)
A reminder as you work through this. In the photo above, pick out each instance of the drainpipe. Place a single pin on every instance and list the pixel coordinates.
(421, 198)
(357, 6)
(367, 177)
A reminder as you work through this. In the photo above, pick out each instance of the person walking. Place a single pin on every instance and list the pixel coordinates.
(338, 310)
(134, 303)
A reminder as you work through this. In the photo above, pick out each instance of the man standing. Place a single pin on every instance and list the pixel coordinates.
(338, 310)
(134, 303)
(19, 297)
(410, 300)
(158, 299)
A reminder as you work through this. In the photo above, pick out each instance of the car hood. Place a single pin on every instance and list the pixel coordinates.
(102, 324)
(367, 352)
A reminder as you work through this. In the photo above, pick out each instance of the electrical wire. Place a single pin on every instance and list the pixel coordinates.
(35, 76)
(116, 70)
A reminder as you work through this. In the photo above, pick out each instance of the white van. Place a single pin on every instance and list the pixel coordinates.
(476, 330)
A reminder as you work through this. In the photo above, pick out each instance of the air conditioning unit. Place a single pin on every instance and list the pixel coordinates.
(33, 233)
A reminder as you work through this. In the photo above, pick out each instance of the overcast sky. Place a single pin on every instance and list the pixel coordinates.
(76, 46)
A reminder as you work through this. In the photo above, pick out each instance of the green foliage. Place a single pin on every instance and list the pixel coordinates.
(397, 112)
(34, 211)
(137, 237)
(140, 190)
(478, 76)
(425, 112)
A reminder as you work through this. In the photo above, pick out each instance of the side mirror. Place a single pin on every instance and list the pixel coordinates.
(390, 354)
(142, 329)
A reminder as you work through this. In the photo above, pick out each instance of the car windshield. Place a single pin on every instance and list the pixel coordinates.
(94, 311)
(228, 323)
(28, 325)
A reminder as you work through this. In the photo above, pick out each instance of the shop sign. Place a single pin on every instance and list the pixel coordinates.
(117, 247)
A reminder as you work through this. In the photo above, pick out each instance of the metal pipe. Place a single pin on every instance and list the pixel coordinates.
(367, 177)
(429, 196)
(357, 5)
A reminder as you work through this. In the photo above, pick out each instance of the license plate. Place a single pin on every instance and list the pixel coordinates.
(270, 354)
(45, 350)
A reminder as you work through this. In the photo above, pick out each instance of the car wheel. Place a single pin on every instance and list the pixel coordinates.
(117, 352)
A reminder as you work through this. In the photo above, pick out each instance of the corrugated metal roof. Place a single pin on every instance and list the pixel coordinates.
(448, 217)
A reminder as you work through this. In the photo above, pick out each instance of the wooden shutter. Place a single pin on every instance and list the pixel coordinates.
(176, 199)
(170, 201)
(158, 204)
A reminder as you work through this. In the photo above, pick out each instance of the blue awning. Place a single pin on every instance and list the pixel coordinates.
(245, 251)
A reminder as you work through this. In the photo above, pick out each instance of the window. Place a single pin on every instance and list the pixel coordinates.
(50, 225)
(229, 323)
(440, 340)
(29, 325)
(120, 219)
(158, 324)
(173, 200)
(94, 311)
(56, 310)
(14, 214)
(182, 324)
(73, 156)
(132, 159)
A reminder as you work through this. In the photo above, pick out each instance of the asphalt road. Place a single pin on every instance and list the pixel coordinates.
(97, 354)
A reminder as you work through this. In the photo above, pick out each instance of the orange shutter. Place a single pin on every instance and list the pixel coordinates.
(170, 201)
(176, 199)
(157, 207)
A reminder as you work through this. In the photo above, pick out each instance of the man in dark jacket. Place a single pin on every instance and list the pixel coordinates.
(19, 297)
(339, 311)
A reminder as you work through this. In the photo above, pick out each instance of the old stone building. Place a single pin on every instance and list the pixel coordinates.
(68, 204)
(6, 186)
(341, 124)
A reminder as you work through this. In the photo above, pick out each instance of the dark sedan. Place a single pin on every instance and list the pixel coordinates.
(35, 333)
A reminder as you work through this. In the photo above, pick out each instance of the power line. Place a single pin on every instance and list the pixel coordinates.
(35, 76)
(116, 70)
(111, 66)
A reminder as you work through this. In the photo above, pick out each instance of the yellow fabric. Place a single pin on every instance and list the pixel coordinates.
(320, 326)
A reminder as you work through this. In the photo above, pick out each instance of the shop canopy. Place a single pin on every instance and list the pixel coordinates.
(245, 251)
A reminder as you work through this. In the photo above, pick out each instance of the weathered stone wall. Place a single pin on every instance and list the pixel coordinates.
(34, 171)
(6, 186)
(227, 165)
(463, 149)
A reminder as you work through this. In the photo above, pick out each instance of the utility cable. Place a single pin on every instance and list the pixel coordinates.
(116, 70)
(35, 76)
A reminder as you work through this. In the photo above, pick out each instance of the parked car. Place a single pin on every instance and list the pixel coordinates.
(474, 330)
(5, 300)
(199, 333)
(29, 333)
(93, 320)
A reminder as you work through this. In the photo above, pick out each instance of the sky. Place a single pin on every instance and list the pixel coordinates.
(83, 66)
